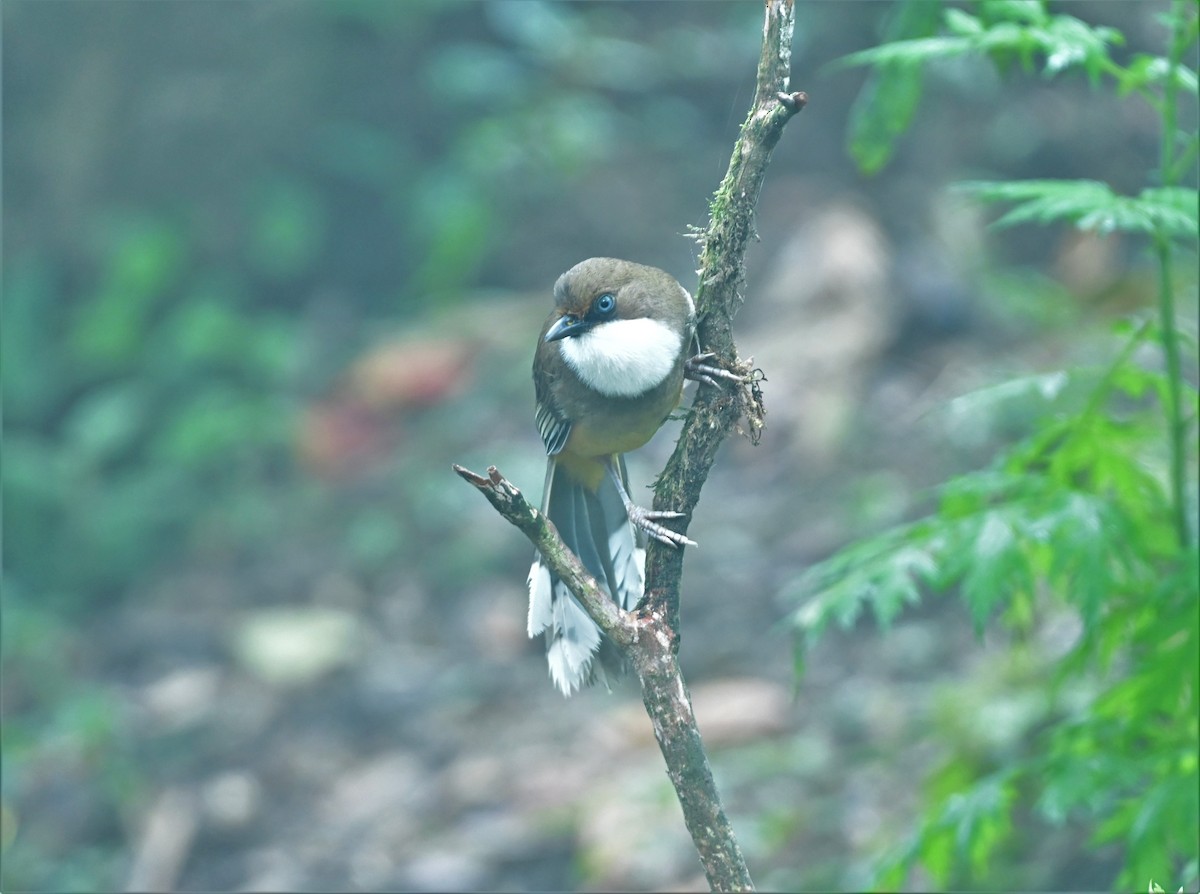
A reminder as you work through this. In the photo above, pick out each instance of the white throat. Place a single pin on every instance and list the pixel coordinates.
(623, 358)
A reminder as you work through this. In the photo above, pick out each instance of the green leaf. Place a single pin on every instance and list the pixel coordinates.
(887, 103)
(458, 233)
(1091, 205)
(882, 572)
(1030, 12)
(33, 384)
(885, 107)
(962, 23)
(1075, 780)
(1042, 201)
(107, 421)
(1144, 71)
(287, 227)
(907, 52)
(964, 829)
(1174, 209)
(145, 260)
(1069, 42)
(997, 567)
(214, 424)
(897, 586)
(979, 404)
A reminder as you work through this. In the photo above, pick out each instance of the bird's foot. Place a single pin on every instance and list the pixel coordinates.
(701, 368)
(646, 519)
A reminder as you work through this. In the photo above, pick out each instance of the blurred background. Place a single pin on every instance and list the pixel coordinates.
(270, 268)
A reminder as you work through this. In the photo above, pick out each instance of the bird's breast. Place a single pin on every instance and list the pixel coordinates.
(624, 358)
(602, 426)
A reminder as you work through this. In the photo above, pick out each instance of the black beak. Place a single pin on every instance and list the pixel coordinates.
(566, 326)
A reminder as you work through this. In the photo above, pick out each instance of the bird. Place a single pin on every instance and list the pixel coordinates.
(608, 370)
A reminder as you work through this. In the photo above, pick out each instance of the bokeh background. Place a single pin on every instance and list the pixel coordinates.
(270, 268)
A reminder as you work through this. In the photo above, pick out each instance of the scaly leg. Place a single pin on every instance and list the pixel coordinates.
(646, 518)
(699, 369)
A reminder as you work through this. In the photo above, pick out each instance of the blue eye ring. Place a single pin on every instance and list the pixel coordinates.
(605, 306)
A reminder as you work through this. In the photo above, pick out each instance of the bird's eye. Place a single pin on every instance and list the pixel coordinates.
(605, 305)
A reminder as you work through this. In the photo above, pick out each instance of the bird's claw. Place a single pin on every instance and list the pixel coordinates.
(701, 369)
(646, 520)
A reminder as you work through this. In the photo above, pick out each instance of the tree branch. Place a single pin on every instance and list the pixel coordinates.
(617, 625)
(714, 413)
(649, 635)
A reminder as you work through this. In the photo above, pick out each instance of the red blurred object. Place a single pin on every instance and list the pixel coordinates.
(361, 422)
(339, 435)
(411, 373)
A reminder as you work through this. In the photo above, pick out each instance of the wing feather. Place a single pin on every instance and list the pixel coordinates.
(553, 427)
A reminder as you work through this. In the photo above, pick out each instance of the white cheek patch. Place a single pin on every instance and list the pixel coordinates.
(623, 358)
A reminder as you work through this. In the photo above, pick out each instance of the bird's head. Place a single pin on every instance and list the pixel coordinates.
(622, 327)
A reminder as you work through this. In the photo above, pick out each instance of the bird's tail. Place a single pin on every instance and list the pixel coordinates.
(595, 526)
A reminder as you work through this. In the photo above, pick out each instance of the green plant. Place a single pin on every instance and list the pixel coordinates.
(1091, 510)
(133, 412)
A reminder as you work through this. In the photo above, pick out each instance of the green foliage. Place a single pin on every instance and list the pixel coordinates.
(970, 823)
(153, 405)
(139, 396)
(286, 227)
(1089, 509)
(1003, 31)
(893, 86)
(1077, 512)
(1170, 210)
